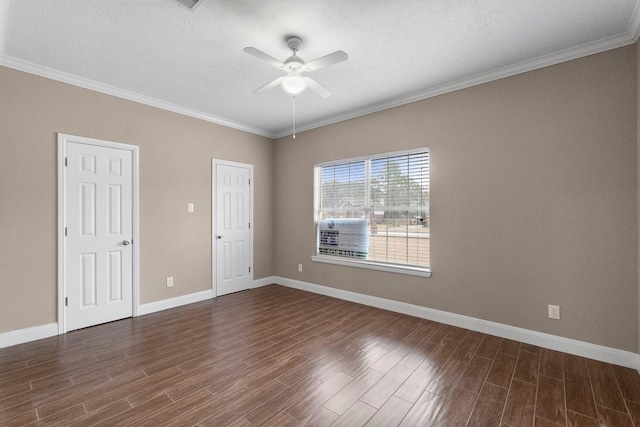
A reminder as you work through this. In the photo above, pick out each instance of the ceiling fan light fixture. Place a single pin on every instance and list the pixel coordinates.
(294, 83)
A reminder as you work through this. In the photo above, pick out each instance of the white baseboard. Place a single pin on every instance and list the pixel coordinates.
(263, 282)
(21, 336)
(553, 342)
(566, 345)
(166, 304)
(191, 298)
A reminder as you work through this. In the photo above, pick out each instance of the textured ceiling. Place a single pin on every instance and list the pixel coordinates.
(191, 61)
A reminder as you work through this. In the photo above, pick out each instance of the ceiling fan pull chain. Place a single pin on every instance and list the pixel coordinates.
(294, 117)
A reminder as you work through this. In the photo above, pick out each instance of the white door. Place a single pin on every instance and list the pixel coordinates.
(99, 233)
(232, 227)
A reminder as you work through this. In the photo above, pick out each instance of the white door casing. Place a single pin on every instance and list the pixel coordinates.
(232, 238)
(98, 241)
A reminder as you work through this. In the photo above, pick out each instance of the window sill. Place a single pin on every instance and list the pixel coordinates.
(372, 265)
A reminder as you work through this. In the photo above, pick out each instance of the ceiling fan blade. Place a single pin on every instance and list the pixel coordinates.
(261, 55)
(317, 87)
(269, 85)
(325, 61)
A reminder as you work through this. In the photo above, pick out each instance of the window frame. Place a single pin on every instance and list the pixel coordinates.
(422, 271)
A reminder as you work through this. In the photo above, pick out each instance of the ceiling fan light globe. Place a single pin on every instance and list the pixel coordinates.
(294, 84)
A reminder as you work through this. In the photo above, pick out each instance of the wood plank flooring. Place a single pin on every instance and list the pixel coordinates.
(275, 356)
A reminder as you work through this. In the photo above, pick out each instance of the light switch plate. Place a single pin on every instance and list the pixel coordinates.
(190, 207)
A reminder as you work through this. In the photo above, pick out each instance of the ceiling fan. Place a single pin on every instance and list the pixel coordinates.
(294, 82)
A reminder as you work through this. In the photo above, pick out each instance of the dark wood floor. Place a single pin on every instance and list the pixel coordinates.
(278, 357)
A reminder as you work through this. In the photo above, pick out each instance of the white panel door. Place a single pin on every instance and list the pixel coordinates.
(99, 228)
(232, 228)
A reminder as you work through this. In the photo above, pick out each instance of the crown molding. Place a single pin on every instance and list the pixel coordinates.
(71, 79)
(4, 16)
(634, 23)
(630, 37)
(511, 70)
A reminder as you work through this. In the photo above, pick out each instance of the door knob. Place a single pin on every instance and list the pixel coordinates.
(220, 236)
(125, 242)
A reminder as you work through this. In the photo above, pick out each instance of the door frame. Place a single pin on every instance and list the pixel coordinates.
(63, 139)
(214, 164)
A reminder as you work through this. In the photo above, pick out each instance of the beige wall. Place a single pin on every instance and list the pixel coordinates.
(534, 196)
(533, 199)
(175, 168)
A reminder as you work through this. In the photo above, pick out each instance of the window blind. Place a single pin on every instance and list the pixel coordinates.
(376, 208)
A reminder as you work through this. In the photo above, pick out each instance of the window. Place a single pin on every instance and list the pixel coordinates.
(373, 212)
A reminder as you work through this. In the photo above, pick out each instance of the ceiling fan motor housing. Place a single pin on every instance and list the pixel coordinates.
(294, 63)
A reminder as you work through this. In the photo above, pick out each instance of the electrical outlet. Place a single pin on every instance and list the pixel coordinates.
(300, 268)
(554, 312)
(169, 282)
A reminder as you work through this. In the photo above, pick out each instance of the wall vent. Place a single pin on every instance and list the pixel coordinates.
(189, 4)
